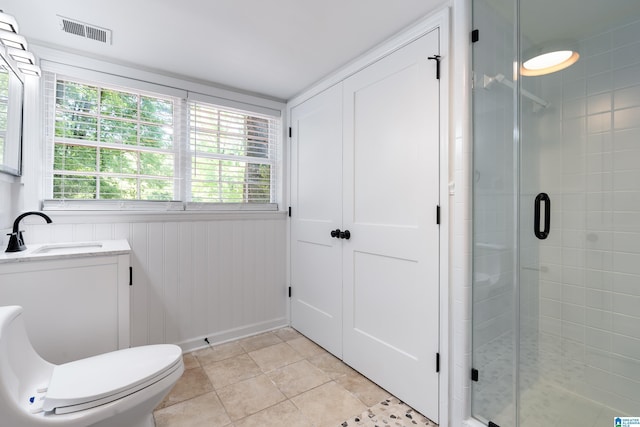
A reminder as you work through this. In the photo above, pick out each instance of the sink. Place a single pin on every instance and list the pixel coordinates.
(65, 248)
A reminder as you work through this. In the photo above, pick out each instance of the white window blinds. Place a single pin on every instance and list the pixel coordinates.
(111, 143)
(233, 155)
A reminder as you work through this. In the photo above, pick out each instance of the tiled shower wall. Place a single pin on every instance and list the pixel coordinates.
(589, 160)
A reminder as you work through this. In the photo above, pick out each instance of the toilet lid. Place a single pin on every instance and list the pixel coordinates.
(97, 380)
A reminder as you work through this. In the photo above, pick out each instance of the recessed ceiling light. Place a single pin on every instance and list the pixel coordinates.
(549, 60)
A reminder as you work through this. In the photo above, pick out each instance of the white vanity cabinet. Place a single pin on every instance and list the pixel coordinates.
(75, 298)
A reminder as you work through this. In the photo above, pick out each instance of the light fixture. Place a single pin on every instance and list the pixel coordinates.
(29, 69)
(14, 40)
(549, 59)
(8, 23)
(23, 56)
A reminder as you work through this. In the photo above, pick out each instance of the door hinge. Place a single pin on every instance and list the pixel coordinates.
(474, 374)
(130, 276)
(437, 362)
(290, 132)
(475, 36)
(438, 214)
(289, 291)
(437, 59)
(289, 210)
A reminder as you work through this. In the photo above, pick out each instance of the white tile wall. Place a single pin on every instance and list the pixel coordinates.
(596, 261)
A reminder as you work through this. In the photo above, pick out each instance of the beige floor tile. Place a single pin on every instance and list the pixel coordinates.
(306, 347)
(297, 378)
(192, 383)
(218, 352)
(368, 392)
(231, 371)
(275, 356)
(283, 414)
(330, 365)
(205, 410)
(190, 361)
(249, 396)
(287, 334)
(259, 341)
(329, 404)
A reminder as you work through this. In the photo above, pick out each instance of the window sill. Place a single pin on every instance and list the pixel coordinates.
(91, 212)
(102, 217)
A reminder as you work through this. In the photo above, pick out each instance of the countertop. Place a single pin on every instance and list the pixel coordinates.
(66, 250)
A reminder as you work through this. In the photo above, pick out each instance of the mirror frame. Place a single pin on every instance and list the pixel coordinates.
(15, 117)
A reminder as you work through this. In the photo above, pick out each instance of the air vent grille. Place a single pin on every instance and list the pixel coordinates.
(85, 30)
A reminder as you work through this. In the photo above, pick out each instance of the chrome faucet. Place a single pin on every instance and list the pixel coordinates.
(16, 241)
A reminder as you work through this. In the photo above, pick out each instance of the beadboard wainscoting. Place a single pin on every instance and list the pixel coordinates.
(218, 276)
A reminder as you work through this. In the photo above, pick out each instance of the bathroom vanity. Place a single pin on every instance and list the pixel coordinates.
(75, 296)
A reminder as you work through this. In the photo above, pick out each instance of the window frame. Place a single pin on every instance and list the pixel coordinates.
(182, 171)
(98, 144)
(273, 130)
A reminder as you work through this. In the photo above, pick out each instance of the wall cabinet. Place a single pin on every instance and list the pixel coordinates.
(365, 160)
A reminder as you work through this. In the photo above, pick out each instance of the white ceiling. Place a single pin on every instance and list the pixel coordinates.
(272, 47)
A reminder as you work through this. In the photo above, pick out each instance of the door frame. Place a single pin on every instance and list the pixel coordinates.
(439, 19)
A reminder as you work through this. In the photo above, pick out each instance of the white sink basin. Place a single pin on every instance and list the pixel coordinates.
(65, 248)
(49, 251)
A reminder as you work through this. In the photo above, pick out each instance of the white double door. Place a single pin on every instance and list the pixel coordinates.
(365, 159)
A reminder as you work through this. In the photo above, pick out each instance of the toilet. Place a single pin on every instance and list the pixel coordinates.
(120, 388)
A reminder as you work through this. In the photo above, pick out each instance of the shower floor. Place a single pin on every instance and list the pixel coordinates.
(543, 401)
(549, 405)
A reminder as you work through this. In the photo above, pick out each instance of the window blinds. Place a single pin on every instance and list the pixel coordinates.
(113, 147)
(110, 143)
(233, 155)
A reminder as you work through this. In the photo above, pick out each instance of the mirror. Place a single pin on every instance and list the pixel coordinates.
(11, 94)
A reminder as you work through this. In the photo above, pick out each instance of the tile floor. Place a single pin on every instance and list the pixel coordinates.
(278, 378)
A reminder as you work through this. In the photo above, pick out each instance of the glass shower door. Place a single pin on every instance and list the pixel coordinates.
(556, 239)
(579, 284)
(494, 216)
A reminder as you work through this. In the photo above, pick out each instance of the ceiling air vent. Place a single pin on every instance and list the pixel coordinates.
(85, 30)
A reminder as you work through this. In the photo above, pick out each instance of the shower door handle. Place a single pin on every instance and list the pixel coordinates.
(542, 234)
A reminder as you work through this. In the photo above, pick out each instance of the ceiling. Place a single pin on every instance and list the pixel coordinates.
(275, 48)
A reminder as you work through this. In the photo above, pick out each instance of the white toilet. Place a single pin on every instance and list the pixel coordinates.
(120, 388)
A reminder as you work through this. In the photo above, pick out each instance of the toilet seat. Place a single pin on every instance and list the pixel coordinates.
(97, 380)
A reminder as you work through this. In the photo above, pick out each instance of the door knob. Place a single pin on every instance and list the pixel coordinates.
(346, 234)
(336, 233)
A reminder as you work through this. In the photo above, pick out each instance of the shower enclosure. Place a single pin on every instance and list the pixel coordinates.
(556, 239)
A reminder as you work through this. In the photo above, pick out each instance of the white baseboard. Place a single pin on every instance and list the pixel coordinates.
(198, 343)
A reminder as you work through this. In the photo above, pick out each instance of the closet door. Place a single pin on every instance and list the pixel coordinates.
(391, 192)
(316, 193)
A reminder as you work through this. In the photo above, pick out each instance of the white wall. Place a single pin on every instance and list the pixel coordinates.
(217, 275)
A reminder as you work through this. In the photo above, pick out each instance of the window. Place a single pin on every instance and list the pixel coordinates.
(112, 143)
(232, 155)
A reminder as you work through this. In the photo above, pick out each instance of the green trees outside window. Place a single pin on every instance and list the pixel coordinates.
(124, 145)
(111, 144)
